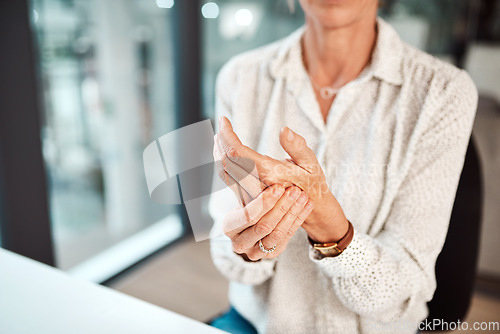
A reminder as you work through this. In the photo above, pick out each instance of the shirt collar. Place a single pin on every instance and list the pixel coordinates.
(385, 63)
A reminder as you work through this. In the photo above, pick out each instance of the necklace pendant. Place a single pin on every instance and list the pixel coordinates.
(327, 92)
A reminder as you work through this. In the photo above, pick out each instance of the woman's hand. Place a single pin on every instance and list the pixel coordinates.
(327, 222)
(273, 217)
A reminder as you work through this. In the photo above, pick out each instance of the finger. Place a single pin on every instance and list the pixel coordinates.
(296, 147)
(252, 185)
(241, 194)
(270, 220)
(217, 152)
(255, 253)
(246, 164)
(218, 159)
(234, 149)
(286, 223)
(233, 155)
(266, 169)
(301, 218)
(220, 168)
(239, 220)
(226, 127)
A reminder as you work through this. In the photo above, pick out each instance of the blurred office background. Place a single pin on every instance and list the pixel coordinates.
(113, 75)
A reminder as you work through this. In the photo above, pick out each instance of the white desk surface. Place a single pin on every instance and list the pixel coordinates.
(38, 299)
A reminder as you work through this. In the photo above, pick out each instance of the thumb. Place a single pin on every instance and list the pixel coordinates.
(296, 147)
(226, 131)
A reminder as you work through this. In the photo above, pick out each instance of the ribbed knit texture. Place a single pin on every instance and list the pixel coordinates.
(392, 150)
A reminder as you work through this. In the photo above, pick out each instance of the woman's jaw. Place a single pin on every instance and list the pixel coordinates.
(338, 14)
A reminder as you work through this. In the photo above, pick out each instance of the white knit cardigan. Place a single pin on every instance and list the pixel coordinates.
(392, 150)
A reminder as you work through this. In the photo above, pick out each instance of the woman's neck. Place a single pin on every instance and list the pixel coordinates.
(335, 56)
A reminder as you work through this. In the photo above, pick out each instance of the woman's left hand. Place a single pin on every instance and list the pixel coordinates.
(327, 222)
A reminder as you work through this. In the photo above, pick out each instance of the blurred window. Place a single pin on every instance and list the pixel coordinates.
(106, 69)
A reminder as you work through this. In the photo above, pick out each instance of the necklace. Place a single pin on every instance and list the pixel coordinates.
(326, 92)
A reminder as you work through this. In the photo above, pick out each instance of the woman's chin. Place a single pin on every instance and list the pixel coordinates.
(334, 18)
(333, 2)
(339, 13)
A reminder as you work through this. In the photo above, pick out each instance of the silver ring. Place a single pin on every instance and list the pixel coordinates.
(267, 251)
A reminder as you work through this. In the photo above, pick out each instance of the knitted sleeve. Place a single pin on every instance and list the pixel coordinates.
(230, 264)
(381, 277)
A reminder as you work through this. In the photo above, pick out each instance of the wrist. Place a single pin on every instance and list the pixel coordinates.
(329, 232)
(333, 249)
(327, 222)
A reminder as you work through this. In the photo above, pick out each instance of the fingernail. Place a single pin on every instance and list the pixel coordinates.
(290, 135)
(278, 191)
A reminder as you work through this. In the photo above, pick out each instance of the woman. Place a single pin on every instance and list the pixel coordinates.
(371, 136)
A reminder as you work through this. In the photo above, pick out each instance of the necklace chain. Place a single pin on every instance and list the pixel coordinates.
(326, 92)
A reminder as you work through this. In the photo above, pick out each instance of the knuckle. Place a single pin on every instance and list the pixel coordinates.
(232, 222)
(276, 235)
(267, 196)
(294, 212)
(246, 217)
(263, 228)
(267, 161)
(282, 209)
(298, 206)
(232, 152)
(268, 201)
(238, 246)
(300, 217)
(250, 219)
(253, 256)
(223, 161)
(227, 231)
(220, 170)
(268, 167)
(271, 178)
(291, 232)
(294, 229)
(302, 142)
(303, 214)
(226, 225)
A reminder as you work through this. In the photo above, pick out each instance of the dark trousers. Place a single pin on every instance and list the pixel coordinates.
(234, 323)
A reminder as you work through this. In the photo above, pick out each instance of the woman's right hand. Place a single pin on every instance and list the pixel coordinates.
(273, 217)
